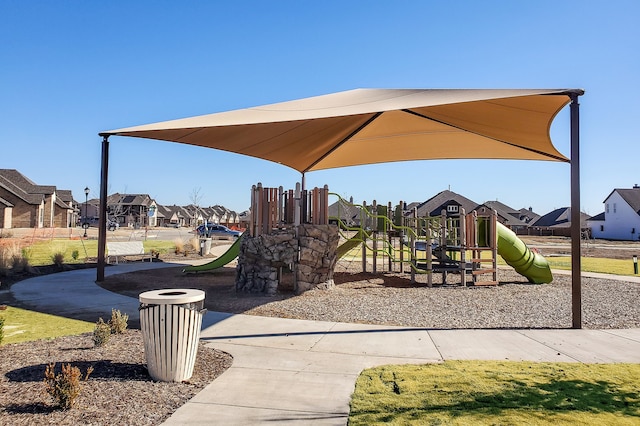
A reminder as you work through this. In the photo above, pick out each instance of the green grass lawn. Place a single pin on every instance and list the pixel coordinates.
(595, 264)
(22, 325)
(41, 252)
(498, 393)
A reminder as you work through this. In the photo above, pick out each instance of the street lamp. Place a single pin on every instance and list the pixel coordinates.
(85, 225)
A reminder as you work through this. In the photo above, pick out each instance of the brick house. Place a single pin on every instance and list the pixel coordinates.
(132, 210)
(25, 204)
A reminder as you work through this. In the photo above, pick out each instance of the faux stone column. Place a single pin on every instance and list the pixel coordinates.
(318, 257)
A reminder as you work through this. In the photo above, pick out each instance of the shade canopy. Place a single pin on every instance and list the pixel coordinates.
(369, 126)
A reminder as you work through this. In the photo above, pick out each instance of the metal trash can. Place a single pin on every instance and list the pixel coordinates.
(170, 321)
(205, 246)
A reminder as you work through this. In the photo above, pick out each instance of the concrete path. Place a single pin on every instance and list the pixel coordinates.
(299, 372)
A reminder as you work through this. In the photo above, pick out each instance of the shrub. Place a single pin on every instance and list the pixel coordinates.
(101, 333)
(7, 253)
(1, 330)
(179, 245)
(64, 387)
(118, 322)
(19, 264)
(58, 259)
(75, 254)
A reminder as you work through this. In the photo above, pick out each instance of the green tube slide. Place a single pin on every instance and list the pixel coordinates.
(527, 263)
(218, 262)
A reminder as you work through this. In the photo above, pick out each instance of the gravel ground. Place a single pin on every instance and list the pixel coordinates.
(391, 299)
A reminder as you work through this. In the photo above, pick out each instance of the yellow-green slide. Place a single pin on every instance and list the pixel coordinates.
(219, 262)
(526, 262)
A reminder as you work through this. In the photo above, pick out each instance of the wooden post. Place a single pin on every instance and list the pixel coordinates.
(363, 224)
(389, 240)
(374, 230)
(281, 210)
(412, 244)
(463, 247)
(297, 219)
(494, 243)
(429, 253)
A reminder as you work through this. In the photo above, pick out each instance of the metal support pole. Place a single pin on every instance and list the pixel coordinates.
(102, 224)
(576, 275)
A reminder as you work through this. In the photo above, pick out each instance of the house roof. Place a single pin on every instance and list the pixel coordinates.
(559, 218)
(597, 218)
(528, 215)
(509, 215)
(630, 196)
(410, 206)
(130, 199)
(344, 210)
(434, 205)
(21, 186)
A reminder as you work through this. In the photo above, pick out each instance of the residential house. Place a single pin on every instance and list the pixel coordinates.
(25, 204)
(175, 216)
(621, 217)
(132, 210)
(556, 222)
(345, 212)
(508, 216)
(221, 215)
(448, 201)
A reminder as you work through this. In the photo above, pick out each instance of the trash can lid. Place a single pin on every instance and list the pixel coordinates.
(171, 296)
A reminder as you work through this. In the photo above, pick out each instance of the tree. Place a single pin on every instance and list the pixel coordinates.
(196, 198)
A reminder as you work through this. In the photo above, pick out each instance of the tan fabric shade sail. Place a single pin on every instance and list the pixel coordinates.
(368, 126)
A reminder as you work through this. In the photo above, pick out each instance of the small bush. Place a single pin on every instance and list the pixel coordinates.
(1, 329)
(19, 264)
(58, 259)
(64, 387)
(118, 322)
(75, 254)
(101, 333)
(7, 253)
(179, 245)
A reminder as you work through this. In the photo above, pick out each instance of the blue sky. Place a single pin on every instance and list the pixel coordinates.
(70, 69)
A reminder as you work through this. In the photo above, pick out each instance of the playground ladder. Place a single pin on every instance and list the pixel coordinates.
(478, 244)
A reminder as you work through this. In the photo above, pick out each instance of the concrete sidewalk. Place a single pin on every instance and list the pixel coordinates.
(300, 372)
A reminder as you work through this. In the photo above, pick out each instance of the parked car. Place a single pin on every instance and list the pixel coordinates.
(112, 225)
(219, 231)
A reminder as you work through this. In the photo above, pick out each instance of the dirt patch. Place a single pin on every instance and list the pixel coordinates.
(119, 391)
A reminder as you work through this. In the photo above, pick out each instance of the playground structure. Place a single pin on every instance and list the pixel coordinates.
(452, 243)
(290, 231)
(288, 237)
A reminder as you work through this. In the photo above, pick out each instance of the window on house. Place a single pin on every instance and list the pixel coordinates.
(606, 207)
(452, 208)
(614, 207)
(601, 228)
